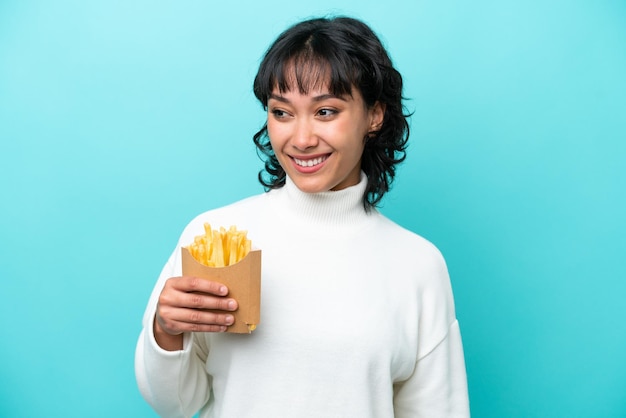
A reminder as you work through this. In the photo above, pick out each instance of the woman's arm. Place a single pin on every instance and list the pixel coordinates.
(438, 385)
(170, 359)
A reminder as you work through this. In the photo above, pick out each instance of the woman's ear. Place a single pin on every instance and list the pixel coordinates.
(377, 115)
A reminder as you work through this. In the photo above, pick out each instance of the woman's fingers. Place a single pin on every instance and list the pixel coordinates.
(192, 292)
(179, 320)
(196, 284)
(204, 301)
(188, 304)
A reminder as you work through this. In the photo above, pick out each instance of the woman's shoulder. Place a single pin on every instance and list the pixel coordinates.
(407, 243)
(405, 235)
(415, 259)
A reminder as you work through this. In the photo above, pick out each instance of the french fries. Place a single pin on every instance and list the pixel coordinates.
(220, 247)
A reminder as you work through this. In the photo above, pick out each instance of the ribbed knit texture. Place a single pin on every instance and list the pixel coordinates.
(343, 208)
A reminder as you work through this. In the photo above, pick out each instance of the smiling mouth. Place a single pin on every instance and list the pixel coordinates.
(310, 162)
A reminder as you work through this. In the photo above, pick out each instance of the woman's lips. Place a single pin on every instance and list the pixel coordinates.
(309, 164)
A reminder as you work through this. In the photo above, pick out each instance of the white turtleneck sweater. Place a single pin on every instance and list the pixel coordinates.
(357, 320)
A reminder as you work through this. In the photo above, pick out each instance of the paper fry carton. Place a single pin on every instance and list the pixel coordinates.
(243, 280)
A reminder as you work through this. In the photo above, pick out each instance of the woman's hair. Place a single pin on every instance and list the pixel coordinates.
(340, 53)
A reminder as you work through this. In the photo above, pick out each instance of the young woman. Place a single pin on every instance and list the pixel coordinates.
(358, 316)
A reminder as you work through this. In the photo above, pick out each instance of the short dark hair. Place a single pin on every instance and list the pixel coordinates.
(346, 54)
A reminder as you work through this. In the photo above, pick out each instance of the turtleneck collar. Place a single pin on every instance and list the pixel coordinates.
(341, 208)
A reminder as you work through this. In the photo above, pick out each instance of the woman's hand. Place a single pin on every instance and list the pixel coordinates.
(183, 307)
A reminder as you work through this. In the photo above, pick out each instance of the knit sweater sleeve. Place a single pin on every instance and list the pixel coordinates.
(174, 383)
(438, 385)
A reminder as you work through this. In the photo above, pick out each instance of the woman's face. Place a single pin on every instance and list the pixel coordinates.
(318, 138)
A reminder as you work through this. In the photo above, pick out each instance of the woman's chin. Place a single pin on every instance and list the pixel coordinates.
(311, 188)
(310, 184)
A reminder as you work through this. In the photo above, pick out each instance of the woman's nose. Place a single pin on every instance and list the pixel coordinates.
(304, 136)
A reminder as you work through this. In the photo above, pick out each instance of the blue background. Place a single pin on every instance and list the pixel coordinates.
(120, 120)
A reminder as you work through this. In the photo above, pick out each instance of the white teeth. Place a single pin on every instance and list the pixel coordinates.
(311, 162)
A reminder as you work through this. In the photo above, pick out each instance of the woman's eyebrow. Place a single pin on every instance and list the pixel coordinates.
(319, 98)
(278, 98)
(327, 96)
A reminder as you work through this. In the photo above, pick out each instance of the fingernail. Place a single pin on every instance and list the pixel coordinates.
(231, 304)
(223, 290)
(229, 320)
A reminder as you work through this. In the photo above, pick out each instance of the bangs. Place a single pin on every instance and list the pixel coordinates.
(305, 73)
(312, 65)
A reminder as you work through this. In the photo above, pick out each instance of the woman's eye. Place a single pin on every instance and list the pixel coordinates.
(278, 113)
(326, 112)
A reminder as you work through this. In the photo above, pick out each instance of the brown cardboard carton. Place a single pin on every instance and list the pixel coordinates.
(243, 280)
